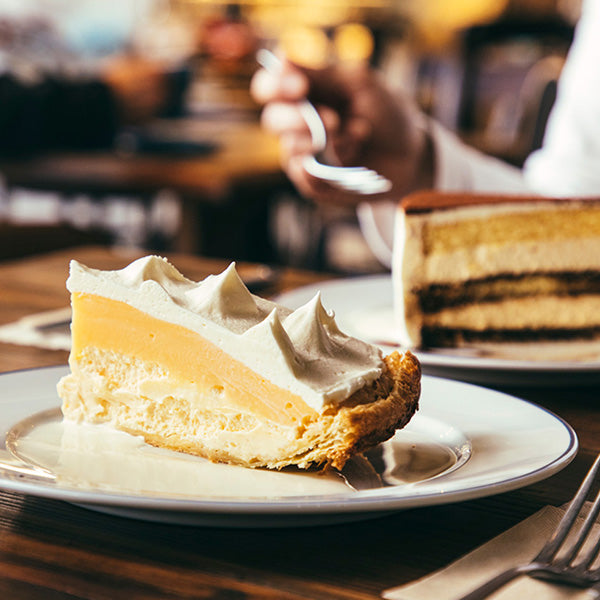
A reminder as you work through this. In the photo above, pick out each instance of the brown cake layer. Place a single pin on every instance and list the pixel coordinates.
(440, 337)
(489, 289)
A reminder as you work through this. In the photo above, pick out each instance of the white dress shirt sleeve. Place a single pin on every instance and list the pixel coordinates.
(568, 163)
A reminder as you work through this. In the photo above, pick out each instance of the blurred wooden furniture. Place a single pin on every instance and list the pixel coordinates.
(52, 550)
(496, 56)
(17, 241)
(234, 176)
(508, 72)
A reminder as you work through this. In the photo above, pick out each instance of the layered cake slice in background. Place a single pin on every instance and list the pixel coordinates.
(472, 269)
(210, 369)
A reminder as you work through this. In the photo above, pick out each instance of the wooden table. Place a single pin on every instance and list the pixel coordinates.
(244, 165)
(243, 152)
(50, 549)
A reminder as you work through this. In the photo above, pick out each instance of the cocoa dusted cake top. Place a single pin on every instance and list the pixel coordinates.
(428, 201)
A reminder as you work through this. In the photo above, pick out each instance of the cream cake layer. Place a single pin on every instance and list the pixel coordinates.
(189, 359)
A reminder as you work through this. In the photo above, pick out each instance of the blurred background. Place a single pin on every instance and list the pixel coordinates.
(92, 150)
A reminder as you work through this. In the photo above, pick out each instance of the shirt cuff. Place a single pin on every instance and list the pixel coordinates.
(461, 168)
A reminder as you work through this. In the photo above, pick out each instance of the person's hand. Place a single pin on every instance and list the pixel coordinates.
(139, 87)
(366, 125)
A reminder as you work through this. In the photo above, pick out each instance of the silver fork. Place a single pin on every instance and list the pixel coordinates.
(359, 180)
(572, 567)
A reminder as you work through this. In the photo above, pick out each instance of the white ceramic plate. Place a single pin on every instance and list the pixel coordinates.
(363, 308)
(465, 442)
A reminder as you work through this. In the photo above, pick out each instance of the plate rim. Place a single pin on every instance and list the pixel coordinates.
(368, 501)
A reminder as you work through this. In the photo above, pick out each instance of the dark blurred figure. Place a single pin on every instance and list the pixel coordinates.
(54, 112)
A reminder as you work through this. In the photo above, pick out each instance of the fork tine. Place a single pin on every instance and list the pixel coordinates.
(357, 179)
(586, 528)
(582, 535)
(552, 546)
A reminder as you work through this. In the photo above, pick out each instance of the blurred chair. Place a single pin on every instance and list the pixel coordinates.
(509, 79)
(536, 98)
(489, 50)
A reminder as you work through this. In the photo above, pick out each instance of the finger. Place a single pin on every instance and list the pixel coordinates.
(331, 119)
(294, 144)
(351, 141)
(283, 117)
(264, 86)
(290, 85)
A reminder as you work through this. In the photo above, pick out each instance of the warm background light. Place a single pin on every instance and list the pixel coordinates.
(308, 46)
(436, 21)
(353, 42)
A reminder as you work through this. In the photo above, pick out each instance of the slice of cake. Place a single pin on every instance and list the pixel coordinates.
(210, 369)
(479, 268)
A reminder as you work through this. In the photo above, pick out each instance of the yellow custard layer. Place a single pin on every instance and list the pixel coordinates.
(113, 325)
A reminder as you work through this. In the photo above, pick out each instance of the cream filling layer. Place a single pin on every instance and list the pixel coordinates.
(185, 359)
(184, 418)
(525, 257)
(551, 312)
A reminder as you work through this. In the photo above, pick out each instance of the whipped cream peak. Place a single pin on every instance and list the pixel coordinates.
(302, 351)
(273, 342)
(151, 268)
(311, 326)
(225, 298)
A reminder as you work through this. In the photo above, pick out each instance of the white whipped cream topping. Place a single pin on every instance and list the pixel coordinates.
(302, 351)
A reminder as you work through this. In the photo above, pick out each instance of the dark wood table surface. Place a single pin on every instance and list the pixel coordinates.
(51, 549)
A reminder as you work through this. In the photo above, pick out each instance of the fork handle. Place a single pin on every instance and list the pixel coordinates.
(500, 580)
(272, 63)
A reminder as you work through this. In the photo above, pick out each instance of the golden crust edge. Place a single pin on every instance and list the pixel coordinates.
(397, 393)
